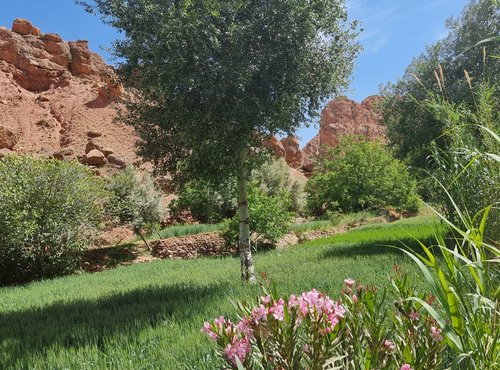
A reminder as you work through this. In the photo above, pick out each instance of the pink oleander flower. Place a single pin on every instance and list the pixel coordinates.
(349, 282)
(354, 298)
(406, 367)
(240, 348)
(277, 310)
(259, 314)
(207, 329)
(334, 320)
(339, 310)
(244, 327)
(414, 315)
(436, 334)
(293, 301)
(213, 336)
(389, 346)
(219, 322)
(265, 299)
(229, 327)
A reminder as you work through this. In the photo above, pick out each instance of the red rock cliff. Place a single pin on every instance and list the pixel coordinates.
(59, 98)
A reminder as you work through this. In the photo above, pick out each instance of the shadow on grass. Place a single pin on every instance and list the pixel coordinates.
(99, 259)
(77, 324)
(376, 247)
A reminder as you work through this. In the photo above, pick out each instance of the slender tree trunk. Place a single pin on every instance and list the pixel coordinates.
(247, 269)
(144, 240)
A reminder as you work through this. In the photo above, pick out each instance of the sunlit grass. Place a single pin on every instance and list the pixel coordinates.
(149, 316)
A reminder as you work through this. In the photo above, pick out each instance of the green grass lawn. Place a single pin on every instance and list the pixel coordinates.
(148, 316)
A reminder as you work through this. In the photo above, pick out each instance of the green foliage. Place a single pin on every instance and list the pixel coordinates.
(211, 204)
(270, 218)
(359, 175)
(49, 211)
(468, 171)
(207, 203)
(410, 127)
(151, 313)
(465, 285)
(275, 176)
(134, 200)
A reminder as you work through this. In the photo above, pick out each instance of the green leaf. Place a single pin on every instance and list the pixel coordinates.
(239, 365)
(407, 354)
(453, 305)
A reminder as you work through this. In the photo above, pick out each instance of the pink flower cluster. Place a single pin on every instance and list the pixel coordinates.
(406, 367)
(312, 305)
(235, 339)
(238, 347)
(318, 307)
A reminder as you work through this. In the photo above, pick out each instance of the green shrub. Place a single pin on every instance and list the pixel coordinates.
(134, 200)
(206, 204)
(360, 175)
(269, 218)
(275, 176)
(49, 212)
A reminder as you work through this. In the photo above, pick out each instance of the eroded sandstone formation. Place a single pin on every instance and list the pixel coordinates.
(56, 96)
(341, 117)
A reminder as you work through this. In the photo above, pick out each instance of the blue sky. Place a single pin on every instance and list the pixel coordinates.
(395, 31)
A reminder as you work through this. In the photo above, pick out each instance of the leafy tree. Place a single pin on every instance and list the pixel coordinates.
(411, 127)
(211, 78)
(49, 213)
(358, 175)
(135, 201)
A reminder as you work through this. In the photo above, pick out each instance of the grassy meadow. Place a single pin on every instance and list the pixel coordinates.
(148, 316)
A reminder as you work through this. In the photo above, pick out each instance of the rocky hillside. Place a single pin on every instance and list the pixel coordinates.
(341, 117)
(60, 99)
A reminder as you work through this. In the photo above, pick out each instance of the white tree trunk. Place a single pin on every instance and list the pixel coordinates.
(247, 269)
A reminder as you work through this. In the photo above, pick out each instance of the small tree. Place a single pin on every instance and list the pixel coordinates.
(212, 78)
(135, 201)
(358, 175)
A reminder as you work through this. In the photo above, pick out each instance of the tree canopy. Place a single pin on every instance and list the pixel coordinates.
(216, 76)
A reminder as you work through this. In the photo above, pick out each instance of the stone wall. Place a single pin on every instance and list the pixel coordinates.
(191, 246)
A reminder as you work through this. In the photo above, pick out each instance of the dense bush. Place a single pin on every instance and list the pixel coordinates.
(206, 203)
(359, 175)
(134, 200)
(49, 210)
(269, 218)
(209, 204)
